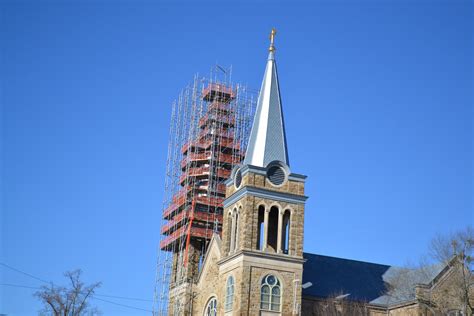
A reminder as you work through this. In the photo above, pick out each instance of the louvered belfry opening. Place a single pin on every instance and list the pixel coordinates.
(276, 175)
(272, 230)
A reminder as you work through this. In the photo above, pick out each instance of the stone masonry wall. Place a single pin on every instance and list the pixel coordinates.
(210, 285)
(258, 180)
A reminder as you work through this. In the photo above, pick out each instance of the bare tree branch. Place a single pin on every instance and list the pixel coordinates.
(454, 290)
(71, 301)
(339, 304)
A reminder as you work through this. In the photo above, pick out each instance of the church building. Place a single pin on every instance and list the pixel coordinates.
(258, 266)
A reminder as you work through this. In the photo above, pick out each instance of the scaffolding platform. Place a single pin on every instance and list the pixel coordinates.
(209, 129)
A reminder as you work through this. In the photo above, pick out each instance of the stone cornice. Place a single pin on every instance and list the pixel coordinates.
(263, 255)
(263, 171)
(265, 193)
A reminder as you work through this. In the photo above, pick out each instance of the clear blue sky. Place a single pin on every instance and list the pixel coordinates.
(378, 102)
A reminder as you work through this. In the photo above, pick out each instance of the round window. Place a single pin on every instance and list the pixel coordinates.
(238, 178)
(276, 175)
(271, 280)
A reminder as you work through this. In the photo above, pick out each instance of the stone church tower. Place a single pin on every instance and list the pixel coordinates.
(257, 267)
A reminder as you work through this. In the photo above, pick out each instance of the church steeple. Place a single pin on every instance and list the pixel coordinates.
(263, 220)
(268, 139)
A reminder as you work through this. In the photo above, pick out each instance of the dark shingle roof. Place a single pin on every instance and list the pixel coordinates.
(332, 276)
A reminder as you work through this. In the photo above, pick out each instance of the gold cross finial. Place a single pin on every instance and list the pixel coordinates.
(272, 40)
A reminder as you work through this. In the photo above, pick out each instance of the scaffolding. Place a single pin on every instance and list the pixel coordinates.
(209, 129)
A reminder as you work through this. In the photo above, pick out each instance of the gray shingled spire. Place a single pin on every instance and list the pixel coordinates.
(267, 138)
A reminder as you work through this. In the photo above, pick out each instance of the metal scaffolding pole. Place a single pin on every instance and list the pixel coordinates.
(209, 129)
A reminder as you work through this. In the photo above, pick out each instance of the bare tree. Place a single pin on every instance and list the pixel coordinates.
(68, 301)
(454, 254)
(339, 305)
(456, 251)
(401, 281)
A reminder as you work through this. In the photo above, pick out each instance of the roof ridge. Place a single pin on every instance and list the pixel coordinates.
(346, 259)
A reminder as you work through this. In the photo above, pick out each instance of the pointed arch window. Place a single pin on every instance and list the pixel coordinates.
(229, 294)
(211, 307)
(270, 294)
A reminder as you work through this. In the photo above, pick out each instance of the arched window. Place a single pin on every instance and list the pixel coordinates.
(260, 228)
(229, 230)
(229, 294)
(236, 232)
(232, 230)
(285, 236)
(270, 294)
(272, 229)
(211, 307)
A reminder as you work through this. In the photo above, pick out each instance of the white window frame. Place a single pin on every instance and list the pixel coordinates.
(211, 307)
(229, 294)
(271, 296)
